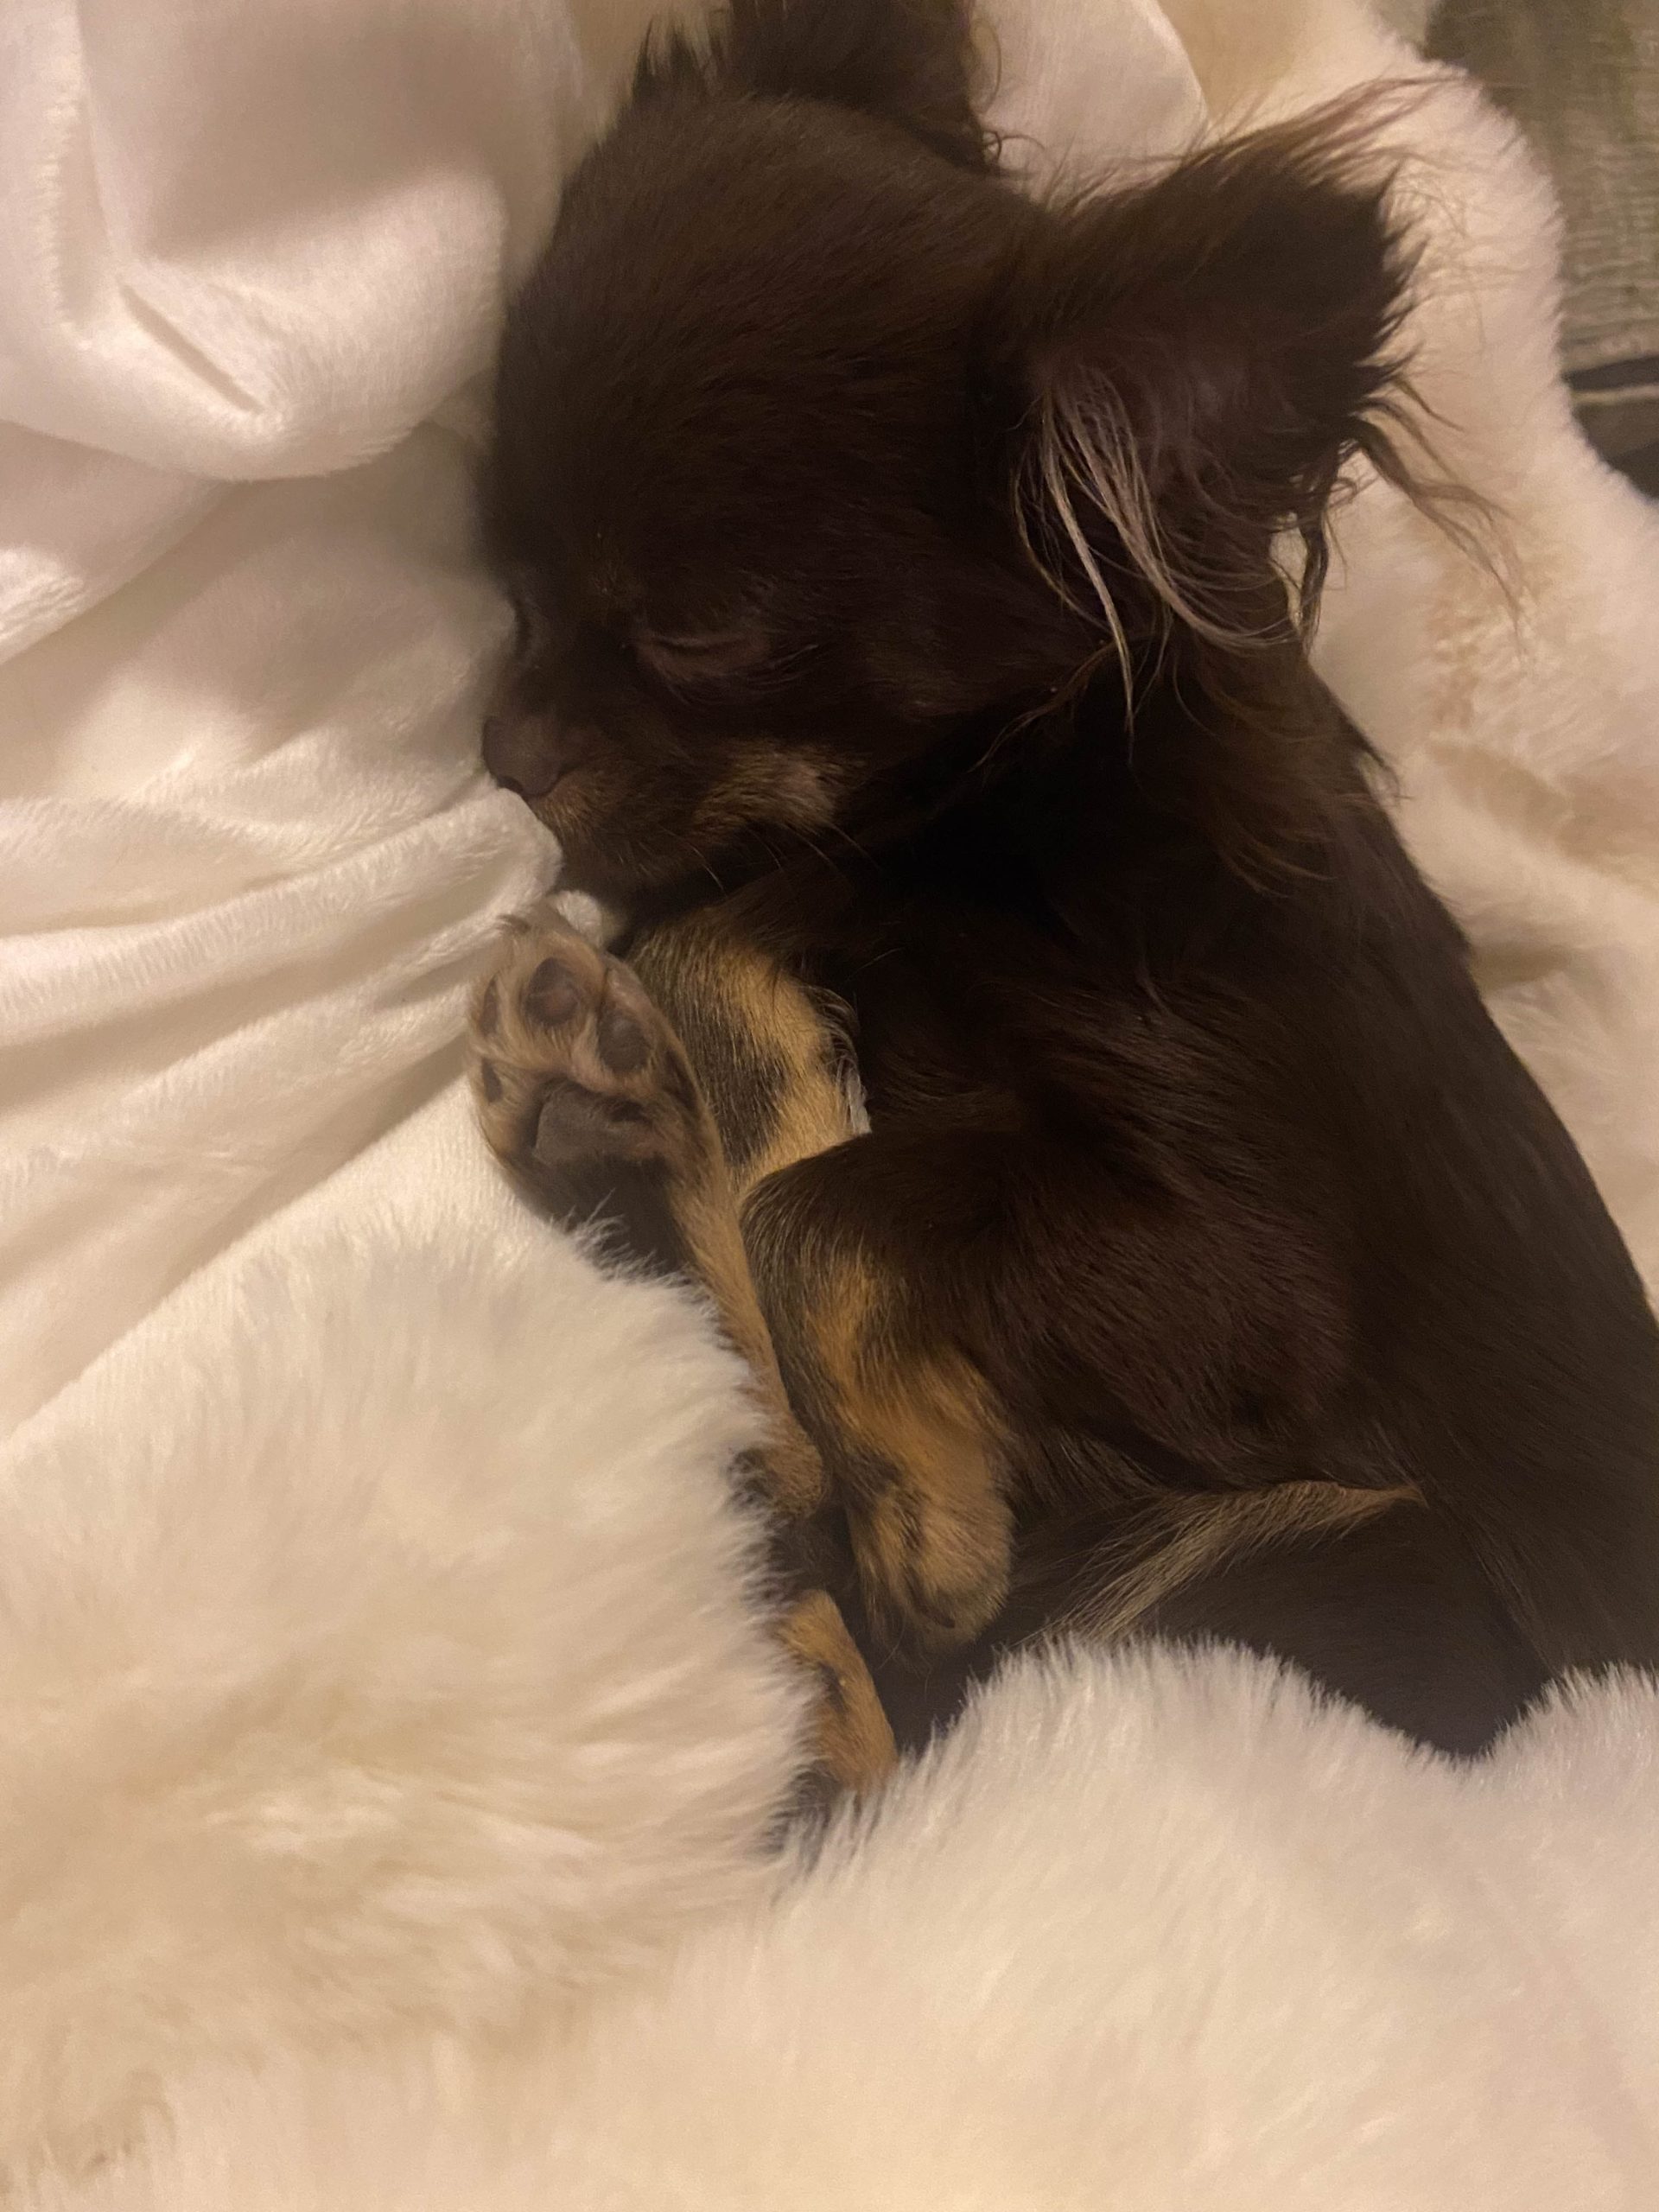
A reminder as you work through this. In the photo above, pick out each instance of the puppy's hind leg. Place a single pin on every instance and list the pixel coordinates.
(1369, 1592)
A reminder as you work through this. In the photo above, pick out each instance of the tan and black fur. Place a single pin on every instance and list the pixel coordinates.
(902, 639)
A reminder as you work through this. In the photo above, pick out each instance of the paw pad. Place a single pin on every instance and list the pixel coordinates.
(623, 1044)
(551, 997)
(576, 1066)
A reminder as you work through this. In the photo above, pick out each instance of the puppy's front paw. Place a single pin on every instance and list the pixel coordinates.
(584, 1091)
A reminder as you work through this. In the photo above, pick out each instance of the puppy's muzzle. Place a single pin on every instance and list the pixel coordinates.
(522, 753)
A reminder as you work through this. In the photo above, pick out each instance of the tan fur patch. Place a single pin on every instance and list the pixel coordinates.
(707, 1213)
(697, 970)
(931, 1519)
(1190, 1535)
(766, 785)
(855, 1743)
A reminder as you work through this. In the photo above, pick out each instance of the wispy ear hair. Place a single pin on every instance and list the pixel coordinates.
(1225, 344)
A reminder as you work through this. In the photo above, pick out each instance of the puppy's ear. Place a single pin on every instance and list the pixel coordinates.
(1199, 358)
(910, 62)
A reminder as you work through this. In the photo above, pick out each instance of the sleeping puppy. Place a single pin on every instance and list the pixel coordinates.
(903, 642)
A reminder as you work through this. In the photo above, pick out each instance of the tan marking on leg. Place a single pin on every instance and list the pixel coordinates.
(853, 1742)
(936, 1547)
(706, 1211)
(818, 1107)
(920, 1451)
(775, 1069)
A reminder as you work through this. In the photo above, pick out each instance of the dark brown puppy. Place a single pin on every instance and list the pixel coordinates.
(901, 638)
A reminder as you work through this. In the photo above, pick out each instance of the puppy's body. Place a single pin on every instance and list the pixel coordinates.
(1207, 1247)
(1221, 1187)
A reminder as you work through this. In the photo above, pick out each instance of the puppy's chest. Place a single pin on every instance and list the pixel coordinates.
(986, 977)
(965, 1015)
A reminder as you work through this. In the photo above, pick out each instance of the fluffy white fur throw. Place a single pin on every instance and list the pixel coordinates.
(411, 1689)
(376, 1659)
(1148, 1933)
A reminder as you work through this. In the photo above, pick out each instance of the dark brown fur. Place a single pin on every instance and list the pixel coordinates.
(901, 638)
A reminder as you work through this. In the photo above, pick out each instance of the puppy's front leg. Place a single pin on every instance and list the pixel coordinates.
(587, 1096)
(909, 1430)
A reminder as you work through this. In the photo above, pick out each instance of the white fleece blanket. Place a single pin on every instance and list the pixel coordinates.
(249, 259)
(364, 1553)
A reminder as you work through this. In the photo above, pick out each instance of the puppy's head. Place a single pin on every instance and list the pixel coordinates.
(823, 458)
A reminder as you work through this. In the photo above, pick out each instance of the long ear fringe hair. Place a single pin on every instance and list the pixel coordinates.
(1082, 482)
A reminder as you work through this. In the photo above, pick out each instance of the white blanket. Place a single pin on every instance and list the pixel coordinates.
(249, 259)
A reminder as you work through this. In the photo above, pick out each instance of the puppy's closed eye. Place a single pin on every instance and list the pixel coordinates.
(702, 660)
(529, 623)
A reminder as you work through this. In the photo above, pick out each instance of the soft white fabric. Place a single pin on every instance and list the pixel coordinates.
(1150, 1933)
(1076, 83)
(344, 1506)
(248, 860)
(394, 1670)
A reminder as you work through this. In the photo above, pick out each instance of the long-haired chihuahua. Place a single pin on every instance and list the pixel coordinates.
(1029, 1028)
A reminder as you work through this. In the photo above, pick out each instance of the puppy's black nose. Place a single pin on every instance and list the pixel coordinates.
(519, 753)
